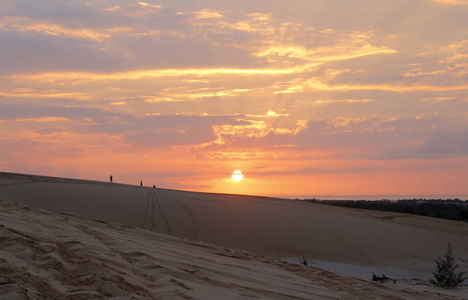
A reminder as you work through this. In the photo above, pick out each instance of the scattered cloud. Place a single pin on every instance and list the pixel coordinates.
(330, 101)
(205, 14)
(301, 89)
(18, 24)
(452, 2)
(437, 99)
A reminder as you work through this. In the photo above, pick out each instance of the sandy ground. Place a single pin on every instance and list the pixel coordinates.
(39, 247)
(47, 255)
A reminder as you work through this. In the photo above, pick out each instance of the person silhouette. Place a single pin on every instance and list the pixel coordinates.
(141, 182)
(110, 178)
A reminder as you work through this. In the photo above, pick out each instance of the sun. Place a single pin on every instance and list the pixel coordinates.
(237, 175)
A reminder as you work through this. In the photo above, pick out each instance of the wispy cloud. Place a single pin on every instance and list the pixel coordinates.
(437, 99)
(296, 93)
(20, 24)
(205, 14)
(451, 2)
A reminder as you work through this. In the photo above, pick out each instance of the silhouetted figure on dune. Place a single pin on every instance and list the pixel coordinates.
(141, 182)
(110, 178)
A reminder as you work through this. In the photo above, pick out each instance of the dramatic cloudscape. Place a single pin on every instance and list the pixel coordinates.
(304, 98)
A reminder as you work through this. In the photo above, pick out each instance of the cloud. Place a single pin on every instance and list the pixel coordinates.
(446, 143)
(205, 14)
(136, 10)
(318, 84)
(437, 99)
(268, 114)
(451, 2)
(437, 145)
(27, 151)
(10, 112)
(165, 130)
(209, 84)
(344, 138)
(143, 74)
(18, 24)
(27, 53)
(170, 138)
(151, 6)
(335, 101)
(326, 54)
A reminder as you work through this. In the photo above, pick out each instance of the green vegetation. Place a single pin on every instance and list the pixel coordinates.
(445, 275)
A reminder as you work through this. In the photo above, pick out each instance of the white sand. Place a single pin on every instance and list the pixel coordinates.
(38, 250)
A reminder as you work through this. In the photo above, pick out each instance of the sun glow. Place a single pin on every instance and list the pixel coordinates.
(237, 175)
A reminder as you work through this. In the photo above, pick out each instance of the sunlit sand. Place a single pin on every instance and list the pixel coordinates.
(99, 239)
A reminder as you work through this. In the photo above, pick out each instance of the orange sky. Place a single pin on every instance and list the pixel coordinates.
(306, 98)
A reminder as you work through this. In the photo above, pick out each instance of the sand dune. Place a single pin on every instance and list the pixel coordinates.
(339, 239)
(47, 255)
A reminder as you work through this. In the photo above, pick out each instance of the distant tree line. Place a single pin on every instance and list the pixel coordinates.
(450, 209)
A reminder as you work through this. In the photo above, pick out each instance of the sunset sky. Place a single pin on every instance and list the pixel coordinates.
(304, 97)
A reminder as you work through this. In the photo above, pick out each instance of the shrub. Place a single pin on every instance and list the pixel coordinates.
(303, 261)
(378, 278)
(445, 275)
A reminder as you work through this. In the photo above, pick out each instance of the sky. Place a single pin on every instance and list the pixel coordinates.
(304, 97)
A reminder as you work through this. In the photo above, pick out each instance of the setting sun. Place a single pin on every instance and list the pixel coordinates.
(237, 175)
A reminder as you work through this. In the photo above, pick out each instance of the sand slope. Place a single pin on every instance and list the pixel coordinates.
(401, 246)
(45, 255)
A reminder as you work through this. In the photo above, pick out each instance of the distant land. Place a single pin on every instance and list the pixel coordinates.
(449, 209)
(378, 197)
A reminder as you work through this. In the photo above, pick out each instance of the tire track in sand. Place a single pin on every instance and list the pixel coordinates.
(149, 203)
(152, 200)
(198, 230)
(155, 198)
